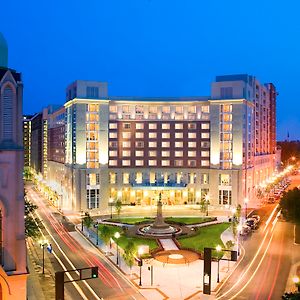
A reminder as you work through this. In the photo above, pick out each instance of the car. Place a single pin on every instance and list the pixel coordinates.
(245, 230)
(257, 217)
(271, 200)
(251, 222)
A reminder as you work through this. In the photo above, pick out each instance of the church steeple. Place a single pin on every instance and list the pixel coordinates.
(3, 52)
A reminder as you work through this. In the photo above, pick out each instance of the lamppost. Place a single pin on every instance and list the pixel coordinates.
(111, 201)
(140, 253)
(246, 200)
(82, 216)
(218, 248)
(233, 210)
(117, 236)
(43, 243)
(207, 203)
(296, 280)
(239, 229)
(97, 240)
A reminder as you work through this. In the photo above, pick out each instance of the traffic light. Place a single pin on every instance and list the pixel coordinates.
(94, 272)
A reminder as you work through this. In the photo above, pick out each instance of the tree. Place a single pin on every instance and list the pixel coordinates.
(105, 233)
(290, 205)
(129, 253)
(88, 222)
(31, 223)
(118, 207)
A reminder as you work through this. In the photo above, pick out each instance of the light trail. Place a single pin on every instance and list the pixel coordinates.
(270, 218)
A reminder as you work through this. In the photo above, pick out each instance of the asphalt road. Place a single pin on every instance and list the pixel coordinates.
(69, 254)
(270, 252)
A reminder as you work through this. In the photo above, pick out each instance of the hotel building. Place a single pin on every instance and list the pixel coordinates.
(132, 149)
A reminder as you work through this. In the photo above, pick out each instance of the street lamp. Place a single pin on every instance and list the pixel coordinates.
(207, 203)
(111, 200)
(239, 229)
(43, 243)
(97, 240)
(218, 248)
(296, 280)
(117, 236)
(140, 253)
(246, 200)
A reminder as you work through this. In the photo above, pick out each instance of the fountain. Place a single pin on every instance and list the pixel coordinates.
(159, 228)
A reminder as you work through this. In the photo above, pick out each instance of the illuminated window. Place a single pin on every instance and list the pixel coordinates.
(178, 126)
(227, 146)
(139, 162)
(139, 125)
(94, 126)
(227, 118)
(178, 178)
(152, 135)
(205, 126)
(191, 153)
(227, 165)
(125, 108)
(205, 153)
(204, 178)
(152, 144)
(113, 153)
(113, 162)
(139, 144)
(152, 177)
(165, 126)
(152, 162)
(227, 127)
(204, 144)
(192, 178)
(192, 135)
(113, 135)
(178, 153)
(125, 162)
(205, 135)
(125, 153)
(153, 109)
(165, 153)
(139, 109)
(178, 163)
(139, 153)
(125, 178)
(152, 153)
(166, 109)
(225, 179)
(93, 107)
(226, 136)
(113, 108)
(192, 109)
(139, 135)
(165, 135)
(192, 126)
(227, 108)
(165, 163)
(192, 144)
(179, 109)
(152, 126)
(126, 135)
(204, 163)
(112, 178)
(165, 144)
(178, 135)
(178, 144)
(205, 109)
(139, 177)
(126, 144)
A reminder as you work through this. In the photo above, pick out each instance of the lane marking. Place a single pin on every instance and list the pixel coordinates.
(270, 217)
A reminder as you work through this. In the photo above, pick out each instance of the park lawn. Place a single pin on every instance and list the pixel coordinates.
(206, 237)
(130, 220)
(189, 220)
(123, 240)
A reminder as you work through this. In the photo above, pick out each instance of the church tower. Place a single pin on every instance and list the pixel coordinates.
(13, 267)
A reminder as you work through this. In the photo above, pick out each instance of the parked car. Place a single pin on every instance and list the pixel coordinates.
(256, 217)
(251, 222)
(271, 200)
(245, 230)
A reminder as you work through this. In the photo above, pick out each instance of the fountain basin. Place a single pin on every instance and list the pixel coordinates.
(156, 231)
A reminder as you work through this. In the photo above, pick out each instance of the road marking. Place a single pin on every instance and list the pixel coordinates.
(270, 217)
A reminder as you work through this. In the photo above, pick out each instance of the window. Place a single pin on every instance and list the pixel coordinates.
(113, 135)
(139, 125)
(126, 144)
(152, 162)
(152, 135)
(165, 126)
(227, 127)
(192, 178)
(92, 197)
(227, 118)
(125, 162)
(126, 125)
(178, 163)
(225, 179)
(191, 153)
(139, 144)
(165, 144)
(125, 108)
(205, 153)
(152, 153)
(192, 135)
(179, 109)
(125, 153)
(139, 109)
(165, 153)
(178, 144)
(205, 109)
(113, 125)
(205, 135)
(226, 108)
(204, 178)
(178, 126)
(139, 153)
(113, 153)
(152, 126)
(226, 92)
(165, 135)
(153, 109)
(139, 135)
(92, 92)
(165, 163)
(113, 162)
(204, 144)
(112, 178)
(126, 135)
(192, 163)
(125, 178)
(139, 177)
(113, 144)
(139, 162)
(192, 144)
(178, 153)
(204, 163)
(113, 108)
(178, 135)
(226, 136)
(205, 126)
(166, 109)
(152, 177)
(152, 144)
(224, 197)
(178, 178)
(192, 109)
(192, 126)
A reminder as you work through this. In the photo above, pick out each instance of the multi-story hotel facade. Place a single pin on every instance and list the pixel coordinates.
(221, 147)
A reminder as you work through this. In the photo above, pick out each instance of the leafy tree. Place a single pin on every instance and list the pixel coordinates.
(31, 223)
(88, 222)
(118, 207)
(229, 245)
(290, 205)
(105, 233)
(129, 253)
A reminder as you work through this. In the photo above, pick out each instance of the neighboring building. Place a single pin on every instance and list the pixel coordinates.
(13, 266)
(186, 148)
(36, 143)
(27, 139)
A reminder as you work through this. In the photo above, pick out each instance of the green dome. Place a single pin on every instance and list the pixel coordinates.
(3, 51)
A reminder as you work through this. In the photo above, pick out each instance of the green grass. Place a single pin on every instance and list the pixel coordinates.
(206, 237)
(189, 220)
(123, 240)
(130, 220)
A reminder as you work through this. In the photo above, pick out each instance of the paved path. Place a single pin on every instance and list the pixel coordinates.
(168, 244)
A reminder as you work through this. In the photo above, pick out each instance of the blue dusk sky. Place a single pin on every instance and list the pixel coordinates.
(154, 47)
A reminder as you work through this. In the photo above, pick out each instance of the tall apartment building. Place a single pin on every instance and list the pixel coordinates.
(27, 139)
(132, 149)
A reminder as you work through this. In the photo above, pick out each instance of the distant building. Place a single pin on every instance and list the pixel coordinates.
(13, 266)
(220, 148)
(27, 139)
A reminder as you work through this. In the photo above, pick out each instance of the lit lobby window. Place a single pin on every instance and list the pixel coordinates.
(152, 177)
(125, 178)
(139, 177)
(112, 178)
